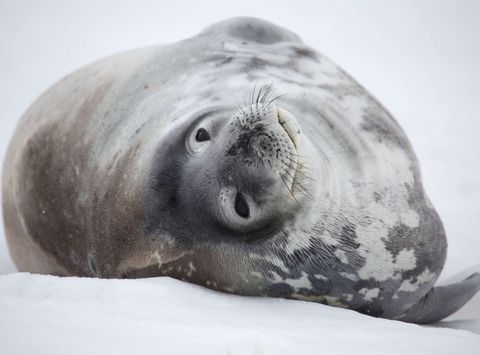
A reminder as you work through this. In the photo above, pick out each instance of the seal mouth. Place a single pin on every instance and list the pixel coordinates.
(289, 125)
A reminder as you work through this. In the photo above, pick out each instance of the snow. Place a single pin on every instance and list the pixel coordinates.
(162, 315)
(419, 58)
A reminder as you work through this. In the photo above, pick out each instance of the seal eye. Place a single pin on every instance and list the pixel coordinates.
(202, 135)
(241, 206)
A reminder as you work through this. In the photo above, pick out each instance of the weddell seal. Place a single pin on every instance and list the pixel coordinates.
(239, 159)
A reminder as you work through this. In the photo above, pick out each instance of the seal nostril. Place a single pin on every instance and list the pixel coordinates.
(241, 206)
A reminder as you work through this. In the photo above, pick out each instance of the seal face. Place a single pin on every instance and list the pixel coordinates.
(239, 159)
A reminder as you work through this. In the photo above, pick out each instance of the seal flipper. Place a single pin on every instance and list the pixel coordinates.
(442, 301)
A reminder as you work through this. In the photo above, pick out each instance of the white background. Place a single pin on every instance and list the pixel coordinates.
(419, 58)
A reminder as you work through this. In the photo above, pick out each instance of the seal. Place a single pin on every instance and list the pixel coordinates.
(239, 159)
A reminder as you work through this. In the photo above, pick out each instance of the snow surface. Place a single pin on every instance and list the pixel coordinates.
(162, 315)
(419, 58)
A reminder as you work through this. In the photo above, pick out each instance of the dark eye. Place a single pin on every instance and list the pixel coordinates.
(202, 135)
(241, 206)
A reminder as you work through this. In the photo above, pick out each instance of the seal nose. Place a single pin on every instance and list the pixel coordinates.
(265, 140)
(252, 129)
(260, 127)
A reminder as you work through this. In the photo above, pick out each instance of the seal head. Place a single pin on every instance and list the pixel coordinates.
(235, 177)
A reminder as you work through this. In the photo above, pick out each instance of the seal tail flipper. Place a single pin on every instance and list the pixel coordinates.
(442, 301)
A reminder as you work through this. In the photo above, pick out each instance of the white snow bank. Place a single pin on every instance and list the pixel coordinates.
(52, 315)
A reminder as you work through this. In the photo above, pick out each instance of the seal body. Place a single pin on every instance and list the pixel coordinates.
(239, 159)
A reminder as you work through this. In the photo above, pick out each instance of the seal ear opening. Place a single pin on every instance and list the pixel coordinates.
(251, 29)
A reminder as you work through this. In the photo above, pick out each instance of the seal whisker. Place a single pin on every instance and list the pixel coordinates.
(286, 186)
(267, 93)
(298, 155)
(297, 183)
(304, 175)
(304, 167)
(295, 180)
(299, 187)
(253, 94)
(304, 191)
(258, 96)
(297, 171)
(275, 99)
